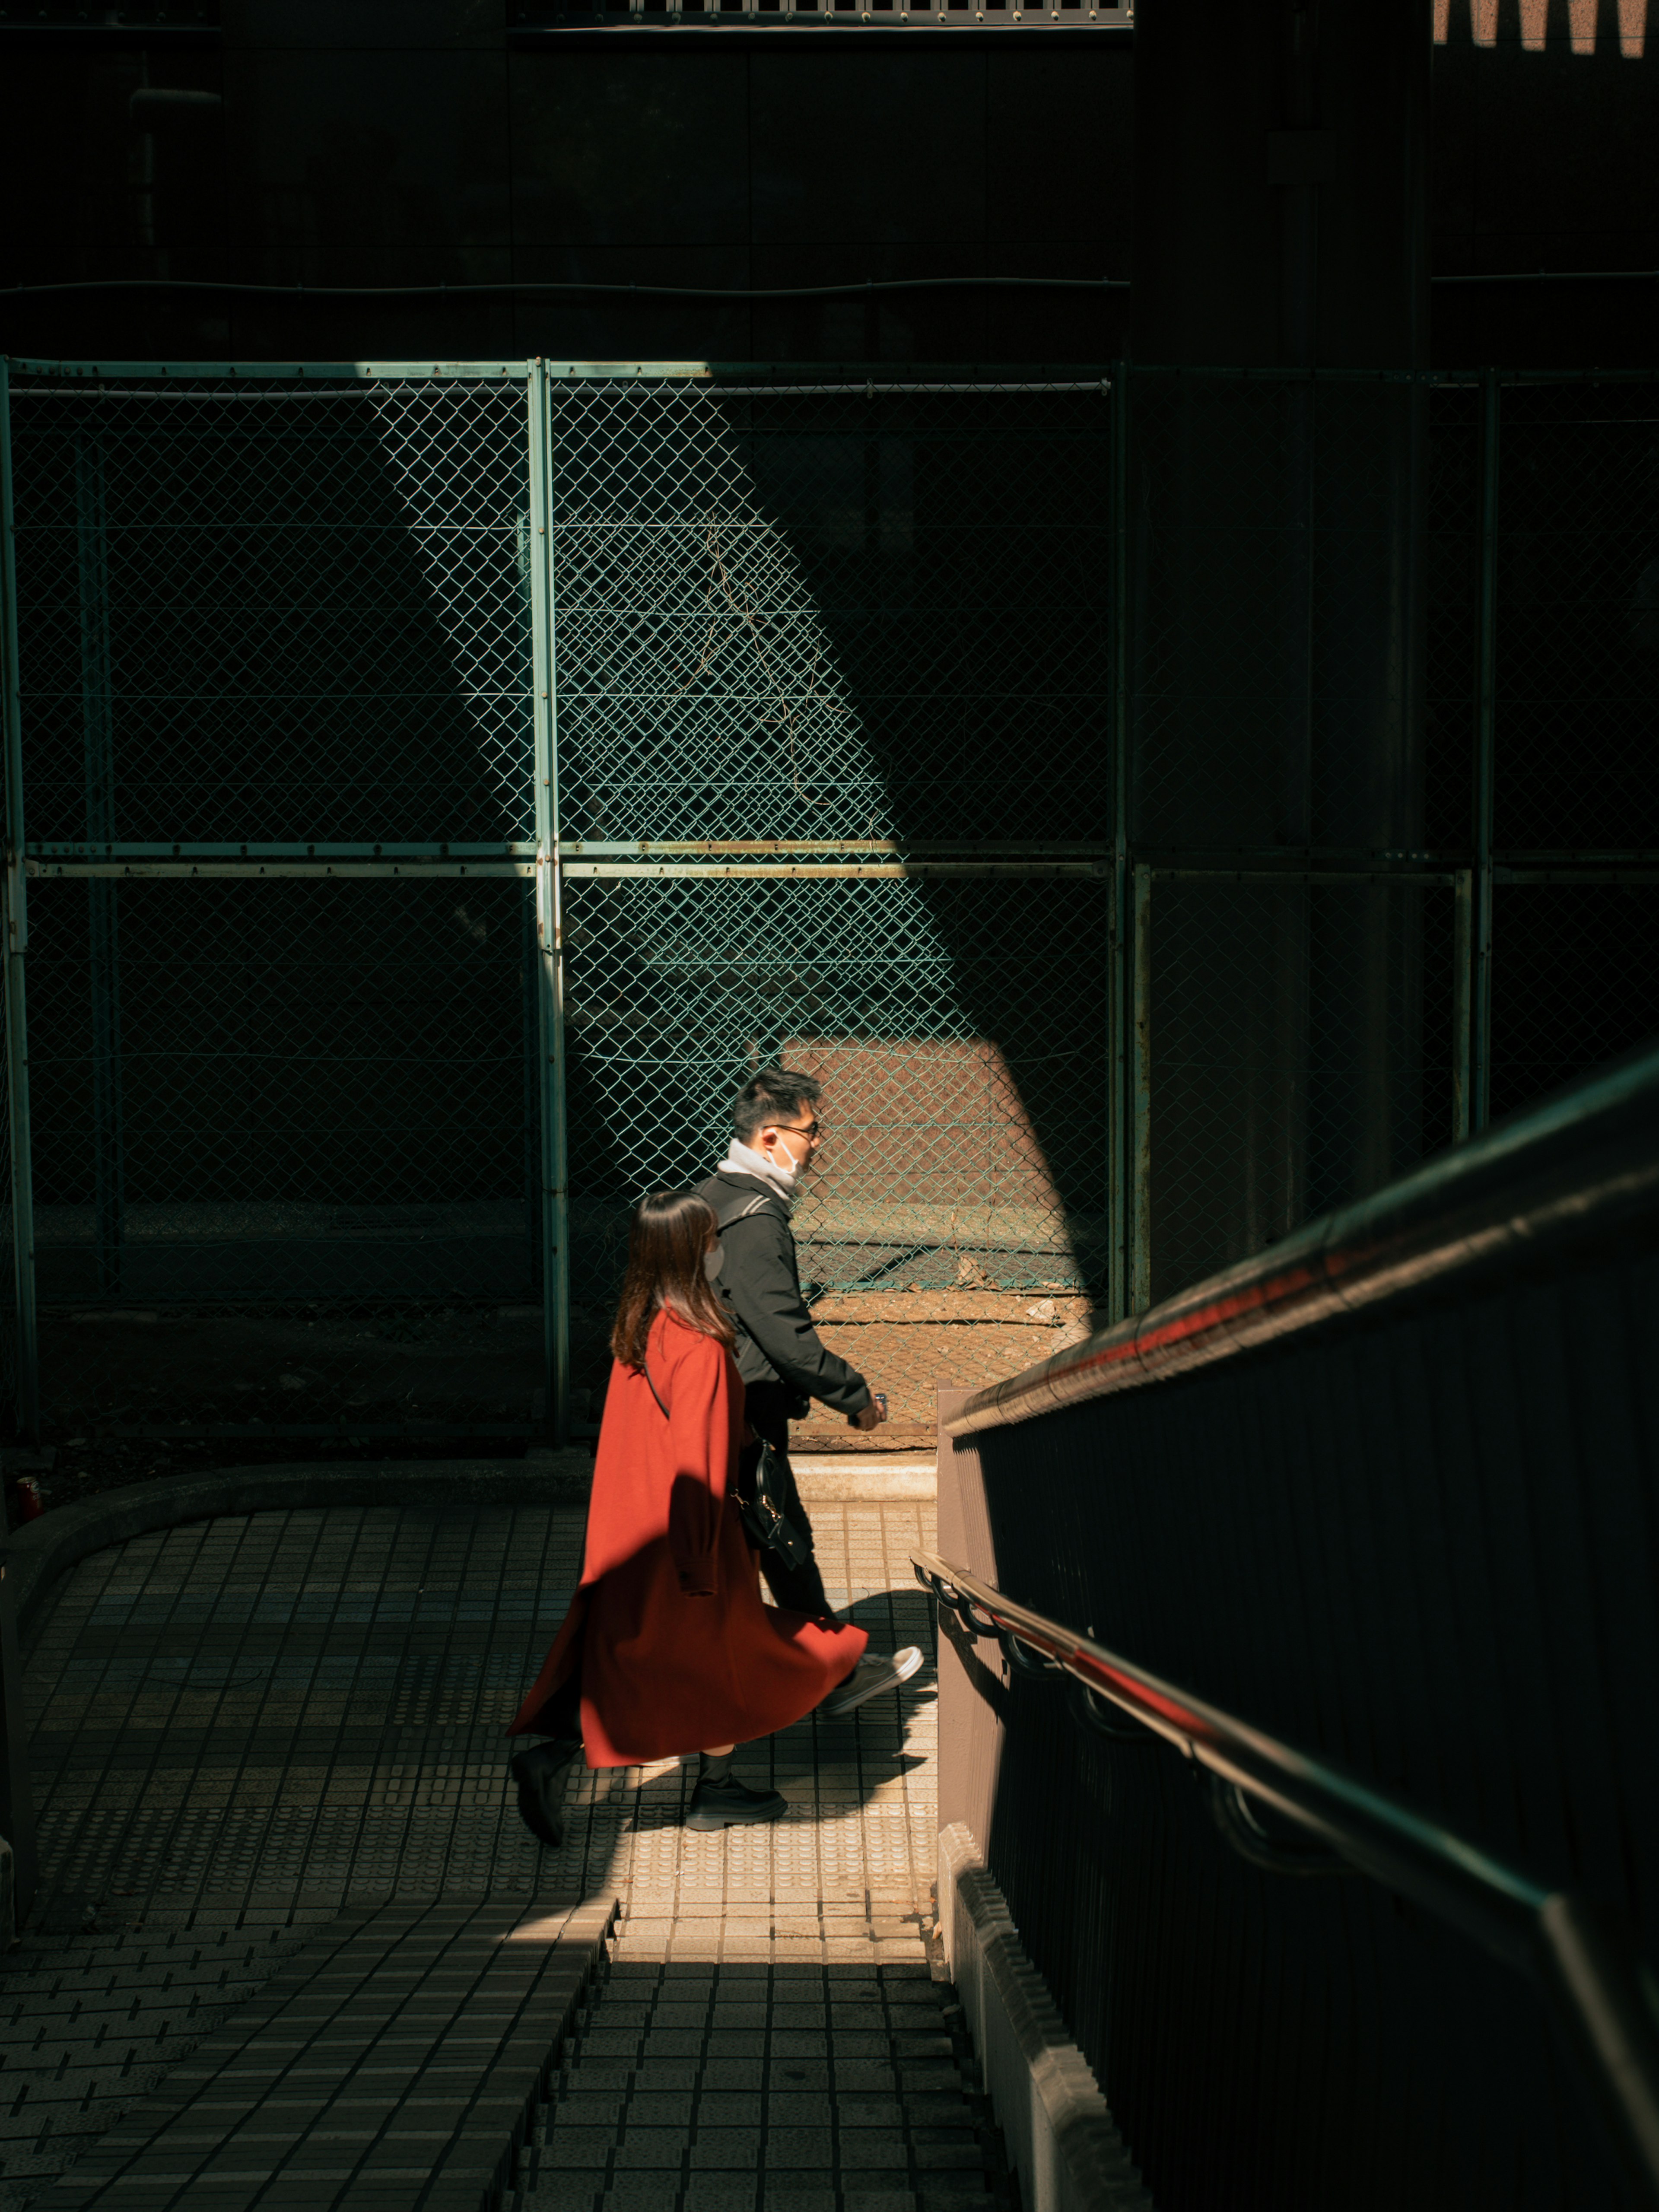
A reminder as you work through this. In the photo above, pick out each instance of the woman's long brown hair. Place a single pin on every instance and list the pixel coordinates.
(667, 1240)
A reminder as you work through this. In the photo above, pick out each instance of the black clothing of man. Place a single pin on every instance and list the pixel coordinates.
(783, 1361)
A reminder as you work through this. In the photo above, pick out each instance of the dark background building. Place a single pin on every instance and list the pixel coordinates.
(1288, 574)
(365, 142)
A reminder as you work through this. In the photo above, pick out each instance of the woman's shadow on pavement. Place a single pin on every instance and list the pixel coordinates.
(829, 1769)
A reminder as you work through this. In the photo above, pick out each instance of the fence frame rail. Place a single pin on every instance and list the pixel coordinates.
(549, 860)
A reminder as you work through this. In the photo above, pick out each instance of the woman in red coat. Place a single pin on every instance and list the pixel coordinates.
(673, 1648)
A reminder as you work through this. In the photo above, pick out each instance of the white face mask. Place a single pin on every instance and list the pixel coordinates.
(713, 1261)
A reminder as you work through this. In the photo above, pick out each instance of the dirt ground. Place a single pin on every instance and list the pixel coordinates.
(129, 1395)
(908, 1343)
(912, 1343)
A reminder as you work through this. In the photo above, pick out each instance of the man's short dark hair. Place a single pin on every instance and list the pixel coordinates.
(776, 1094)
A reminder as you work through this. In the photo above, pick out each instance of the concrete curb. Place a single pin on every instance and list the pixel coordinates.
(41, 1551)
(862, 1478)
(1057, 2125)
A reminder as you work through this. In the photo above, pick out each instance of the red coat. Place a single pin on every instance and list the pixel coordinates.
(678, 1652)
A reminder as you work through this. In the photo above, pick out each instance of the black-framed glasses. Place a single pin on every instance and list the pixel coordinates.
(800, 1129)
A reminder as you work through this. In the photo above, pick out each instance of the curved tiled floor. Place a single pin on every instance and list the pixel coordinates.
(243, 1727)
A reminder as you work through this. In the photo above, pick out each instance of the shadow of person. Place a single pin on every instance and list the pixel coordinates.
(833, 1769)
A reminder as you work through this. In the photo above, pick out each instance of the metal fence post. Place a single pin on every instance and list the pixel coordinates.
(550, 922)
(1140, 1270)
(1485, 719)
(1120, 989)
(1462, 1000)
(16, 1801)
(98, 726)
(16, 1794)
(16, 921)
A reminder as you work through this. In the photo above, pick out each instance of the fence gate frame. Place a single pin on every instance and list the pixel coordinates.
(25, 1378)
(548, 860)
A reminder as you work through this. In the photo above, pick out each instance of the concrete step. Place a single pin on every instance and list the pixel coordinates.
(692, 2085)
(401, 2056)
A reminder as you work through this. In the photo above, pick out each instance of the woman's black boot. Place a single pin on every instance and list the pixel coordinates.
(541, 1775)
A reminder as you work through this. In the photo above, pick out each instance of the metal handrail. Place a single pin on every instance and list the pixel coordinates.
(1591, 1976)
(1581, 1163)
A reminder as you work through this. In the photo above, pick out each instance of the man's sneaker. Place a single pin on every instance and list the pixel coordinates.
(876, 1672)
(731, 1804)
(541, 1775)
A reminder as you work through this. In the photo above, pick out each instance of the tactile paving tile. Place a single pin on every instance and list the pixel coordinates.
(404, 2051)
(93, 2019)
(768, 2084)
(246, 1725)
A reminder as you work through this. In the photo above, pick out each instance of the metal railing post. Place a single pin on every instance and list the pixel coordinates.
(550, 918)
(1120, 990)
(16, 922)
(1485, 721)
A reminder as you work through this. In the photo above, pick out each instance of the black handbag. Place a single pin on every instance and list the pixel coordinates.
(760, 1491)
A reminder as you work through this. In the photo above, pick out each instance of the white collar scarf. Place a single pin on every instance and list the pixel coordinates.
(742, 1159)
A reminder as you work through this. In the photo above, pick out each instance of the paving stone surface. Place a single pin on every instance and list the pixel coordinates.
(246, 1727)
(92, 2020)
(774, 2035)
(733, 2084)
(406, 2049)
(304, 1710)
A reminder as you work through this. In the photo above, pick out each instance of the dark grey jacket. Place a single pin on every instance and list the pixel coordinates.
(759, 1282)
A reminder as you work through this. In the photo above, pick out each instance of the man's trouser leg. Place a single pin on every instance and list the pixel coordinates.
(797, 1590)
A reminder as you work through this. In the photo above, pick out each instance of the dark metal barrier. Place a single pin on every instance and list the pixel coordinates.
(1388, 1492)
(1593, 1982)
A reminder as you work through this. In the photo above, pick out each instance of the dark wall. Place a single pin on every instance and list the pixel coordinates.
(1543, 158)
(417, 141)
(368, 143)
(1420, 1542)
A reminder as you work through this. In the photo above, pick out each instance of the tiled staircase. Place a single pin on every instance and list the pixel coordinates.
(750, 2085)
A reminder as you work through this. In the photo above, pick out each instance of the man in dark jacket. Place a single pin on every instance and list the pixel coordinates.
(783, 1361)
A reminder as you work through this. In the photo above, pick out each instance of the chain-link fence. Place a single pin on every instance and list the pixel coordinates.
(1272, 582)
(826, 623)
(265, 619)
(258, 611)
(1391, 641)
(1578, 620)
(1298, 1039)
(1573, 983)
(12, 1405)
(840, 614)
(316, 1088)
(1159, 807)
(948, 1157)
(1451, 615)
(962, 1155)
